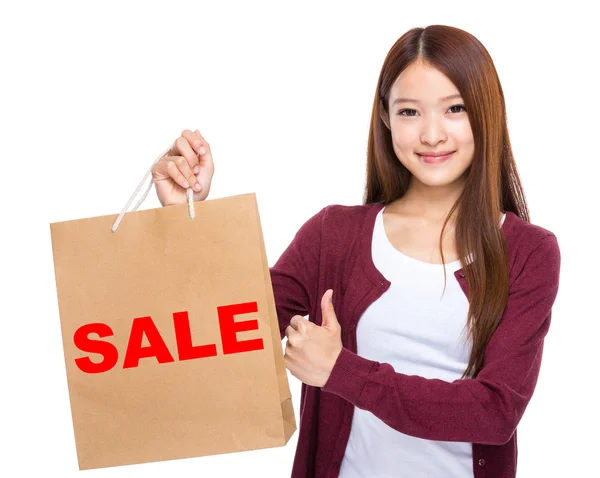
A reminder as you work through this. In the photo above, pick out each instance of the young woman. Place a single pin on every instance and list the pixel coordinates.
(406, 373)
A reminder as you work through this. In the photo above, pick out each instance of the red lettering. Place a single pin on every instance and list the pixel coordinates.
(229, 328)
(109, 353)
(157, 347)
(183, 335)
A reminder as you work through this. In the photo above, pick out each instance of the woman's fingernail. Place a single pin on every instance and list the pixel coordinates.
(202, 150)
(196, 169)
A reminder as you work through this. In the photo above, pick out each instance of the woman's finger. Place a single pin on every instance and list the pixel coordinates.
(176, 174)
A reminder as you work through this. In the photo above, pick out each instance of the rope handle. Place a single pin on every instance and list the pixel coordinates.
(189, 193)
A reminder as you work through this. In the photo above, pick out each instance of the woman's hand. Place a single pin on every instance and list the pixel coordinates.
(311, 351)
(187, 164)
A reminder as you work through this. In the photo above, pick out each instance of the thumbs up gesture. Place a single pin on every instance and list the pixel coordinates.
(311, 350)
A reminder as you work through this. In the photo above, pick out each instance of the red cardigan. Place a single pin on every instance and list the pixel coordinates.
(332, 249)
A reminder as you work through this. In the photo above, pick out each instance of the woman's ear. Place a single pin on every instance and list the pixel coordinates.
(383, 114)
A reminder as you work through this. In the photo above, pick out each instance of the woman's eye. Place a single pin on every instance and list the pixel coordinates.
(401, 112)
(459, 106)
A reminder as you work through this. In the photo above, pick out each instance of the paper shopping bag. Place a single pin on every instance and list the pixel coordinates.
(169, 328)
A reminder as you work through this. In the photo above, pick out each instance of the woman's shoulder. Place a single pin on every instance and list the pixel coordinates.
(523, 234)
(350, 213)
(340, 220)
(339, 224)
(529, 243)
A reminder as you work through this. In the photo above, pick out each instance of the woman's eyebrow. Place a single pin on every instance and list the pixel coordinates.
(410, 100)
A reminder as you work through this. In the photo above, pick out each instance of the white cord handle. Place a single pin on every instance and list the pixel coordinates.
(189, 193)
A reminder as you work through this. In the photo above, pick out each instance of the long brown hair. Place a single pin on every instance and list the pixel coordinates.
(492, 184)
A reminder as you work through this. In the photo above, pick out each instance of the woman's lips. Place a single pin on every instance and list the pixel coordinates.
(435, 159)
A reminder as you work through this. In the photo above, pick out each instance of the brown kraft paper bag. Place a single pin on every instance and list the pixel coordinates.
(170, 333)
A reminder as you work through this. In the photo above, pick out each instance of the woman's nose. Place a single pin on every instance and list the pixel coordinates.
(433, 130)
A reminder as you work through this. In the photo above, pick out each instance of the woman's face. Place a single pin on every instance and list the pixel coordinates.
(430, 123)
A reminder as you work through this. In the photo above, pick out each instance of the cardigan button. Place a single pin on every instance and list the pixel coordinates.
(481, 462)
(462, 274)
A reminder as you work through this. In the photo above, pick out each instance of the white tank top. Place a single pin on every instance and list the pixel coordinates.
(419, 332)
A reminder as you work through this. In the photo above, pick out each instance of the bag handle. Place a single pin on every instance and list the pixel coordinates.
(189, 193)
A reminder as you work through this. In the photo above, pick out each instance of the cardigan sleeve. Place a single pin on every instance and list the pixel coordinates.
(294, 276)
(485, 409)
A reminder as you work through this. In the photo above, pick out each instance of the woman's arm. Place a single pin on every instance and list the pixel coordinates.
(295, 275)
(486, 409)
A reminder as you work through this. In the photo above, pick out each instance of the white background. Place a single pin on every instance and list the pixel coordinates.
(91, 93)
